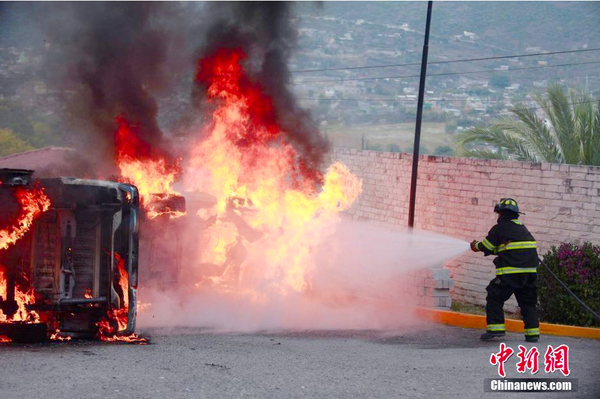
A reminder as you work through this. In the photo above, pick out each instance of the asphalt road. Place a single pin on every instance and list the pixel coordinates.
(436, 361)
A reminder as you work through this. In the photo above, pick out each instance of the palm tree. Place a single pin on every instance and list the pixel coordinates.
(569, 132)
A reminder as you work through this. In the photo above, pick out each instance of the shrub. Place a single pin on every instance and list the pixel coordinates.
(444, 150)
(578, 266)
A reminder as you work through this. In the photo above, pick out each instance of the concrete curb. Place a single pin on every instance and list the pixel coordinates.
(478, 321)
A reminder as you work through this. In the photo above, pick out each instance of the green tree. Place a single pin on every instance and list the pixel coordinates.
(568, 132)
(451, 126)
(422, 150)
(15, 118)
(444, 150)
(10, 143)
(499, 80)
(47, 134)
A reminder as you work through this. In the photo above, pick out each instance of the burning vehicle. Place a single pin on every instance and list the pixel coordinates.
(68, 258)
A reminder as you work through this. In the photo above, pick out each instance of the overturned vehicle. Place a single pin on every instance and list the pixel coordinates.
(68, 258)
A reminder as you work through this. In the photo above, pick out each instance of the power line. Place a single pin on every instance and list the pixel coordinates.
(413, 101)
(499, 113)
(446, 62)
(516, 69)
(534, 108)
(381, 100)
(453, 100)
(340, 80)
(359, 99)
(388, 99)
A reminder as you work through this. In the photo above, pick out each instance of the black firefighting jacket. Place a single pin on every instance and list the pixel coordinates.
(515, 247)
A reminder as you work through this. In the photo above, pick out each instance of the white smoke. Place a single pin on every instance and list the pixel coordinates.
(358, 283)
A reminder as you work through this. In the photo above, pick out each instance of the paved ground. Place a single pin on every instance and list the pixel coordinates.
(438, 361)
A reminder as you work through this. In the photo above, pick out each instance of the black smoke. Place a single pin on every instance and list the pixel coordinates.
(124, 58)
(114, 57)
(266, 32)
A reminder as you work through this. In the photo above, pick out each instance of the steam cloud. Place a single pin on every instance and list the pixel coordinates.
(364, 281)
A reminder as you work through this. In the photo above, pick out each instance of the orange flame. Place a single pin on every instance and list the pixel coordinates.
(3, 289)
(119, 317)
(23, 298)
(33, 202)
(57, 337)
(257, 176)
(151, 173)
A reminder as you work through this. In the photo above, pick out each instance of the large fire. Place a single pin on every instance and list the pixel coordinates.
(266, 195)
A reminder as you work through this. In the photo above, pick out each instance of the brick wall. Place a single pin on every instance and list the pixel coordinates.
(455, 196)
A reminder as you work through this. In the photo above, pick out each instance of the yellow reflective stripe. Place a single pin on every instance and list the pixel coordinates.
(513, 270)
(516, 221)
(488, 244)
(495, 327)
(522, 245)
(532, 331)
(517, 245)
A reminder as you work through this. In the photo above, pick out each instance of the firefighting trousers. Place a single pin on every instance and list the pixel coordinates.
(500, 289)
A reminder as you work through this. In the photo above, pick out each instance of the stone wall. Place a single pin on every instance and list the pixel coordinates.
(455, 196)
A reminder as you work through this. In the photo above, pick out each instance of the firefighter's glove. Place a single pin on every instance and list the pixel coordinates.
(474, 246)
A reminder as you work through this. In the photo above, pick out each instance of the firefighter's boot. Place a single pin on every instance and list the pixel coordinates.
(490, 335)
(532, 338)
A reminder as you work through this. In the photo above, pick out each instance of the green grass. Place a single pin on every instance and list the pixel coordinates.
(479, 310)
(467, 308)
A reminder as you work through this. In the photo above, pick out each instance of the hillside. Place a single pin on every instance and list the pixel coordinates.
(350, 104)
(507, 25)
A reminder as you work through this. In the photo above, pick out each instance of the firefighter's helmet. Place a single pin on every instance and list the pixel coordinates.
(507, 204)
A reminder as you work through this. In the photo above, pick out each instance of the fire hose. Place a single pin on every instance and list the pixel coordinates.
(586, 307)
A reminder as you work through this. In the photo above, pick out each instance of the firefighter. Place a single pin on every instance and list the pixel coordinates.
(516, 270)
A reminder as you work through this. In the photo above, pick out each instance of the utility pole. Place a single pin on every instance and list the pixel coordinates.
(415, 165)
